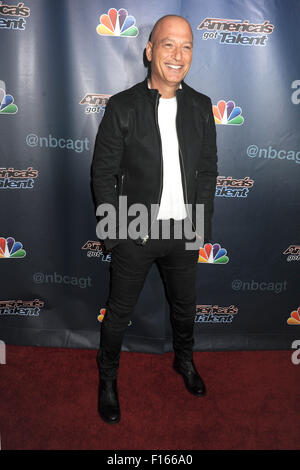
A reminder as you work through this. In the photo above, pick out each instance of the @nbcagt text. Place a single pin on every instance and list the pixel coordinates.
(156, 459)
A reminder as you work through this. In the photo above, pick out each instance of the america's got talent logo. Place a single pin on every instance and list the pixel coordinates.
(236, 32)
(95, 102)
(12, 17)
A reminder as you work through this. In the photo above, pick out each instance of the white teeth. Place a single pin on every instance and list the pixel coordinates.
(174, 66)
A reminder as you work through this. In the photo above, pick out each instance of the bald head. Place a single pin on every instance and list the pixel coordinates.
(165, 19)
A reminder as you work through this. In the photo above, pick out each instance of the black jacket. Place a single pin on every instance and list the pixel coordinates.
(128, 158)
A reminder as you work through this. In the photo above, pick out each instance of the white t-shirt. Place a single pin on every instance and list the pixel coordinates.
(172, 200)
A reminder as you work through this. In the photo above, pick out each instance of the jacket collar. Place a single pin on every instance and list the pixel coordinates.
(152, 92)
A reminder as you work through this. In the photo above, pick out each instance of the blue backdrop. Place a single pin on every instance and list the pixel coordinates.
(60, 63)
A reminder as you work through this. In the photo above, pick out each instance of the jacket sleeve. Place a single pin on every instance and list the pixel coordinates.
(107, 157)
(208, 173)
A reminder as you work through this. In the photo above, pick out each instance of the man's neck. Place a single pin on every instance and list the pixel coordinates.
(164, 90)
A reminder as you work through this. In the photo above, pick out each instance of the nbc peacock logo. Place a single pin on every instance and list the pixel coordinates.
(101, 314)
(9, 248)
(7, 105)
(117, 23)
(227, 113)
(213, 254)
(294, 318)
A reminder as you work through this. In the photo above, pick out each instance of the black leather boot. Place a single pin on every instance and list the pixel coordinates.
(193, 382)
(108, 401)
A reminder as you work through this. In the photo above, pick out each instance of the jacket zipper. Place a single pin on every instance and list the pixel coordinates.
(184, 177)
(121, 186)
(145, 239)
(185, 191)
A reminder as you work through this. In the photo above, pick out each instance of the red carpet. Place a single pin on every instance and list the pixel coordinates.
(48, 400)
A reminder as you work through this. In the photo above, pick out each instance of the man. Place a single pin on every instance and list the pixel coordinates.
(156, 144)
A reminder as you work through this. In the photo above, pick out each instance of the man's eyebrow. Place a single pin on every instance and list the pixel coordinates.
(170, 39)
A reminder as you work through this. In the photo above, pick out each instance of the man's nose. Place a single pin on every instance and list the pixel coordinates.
(178, 53)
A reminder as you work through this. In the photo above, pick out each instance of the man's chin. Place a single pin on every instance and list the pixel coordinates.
(175, 80)
(175, 83)
(171, 81)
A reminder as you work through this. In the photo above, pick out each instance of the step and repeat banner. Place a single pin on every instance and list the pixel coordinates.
(61, 60)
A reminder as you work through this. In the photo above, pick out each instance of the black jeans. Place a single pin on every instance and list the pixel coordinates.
(130, 265)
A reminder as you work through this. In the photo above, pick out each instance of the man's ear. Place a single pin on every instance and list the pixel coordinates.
(149, 51)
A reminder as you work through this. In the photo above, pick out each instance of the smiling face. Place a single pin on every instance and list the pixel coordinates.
(170, 53)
